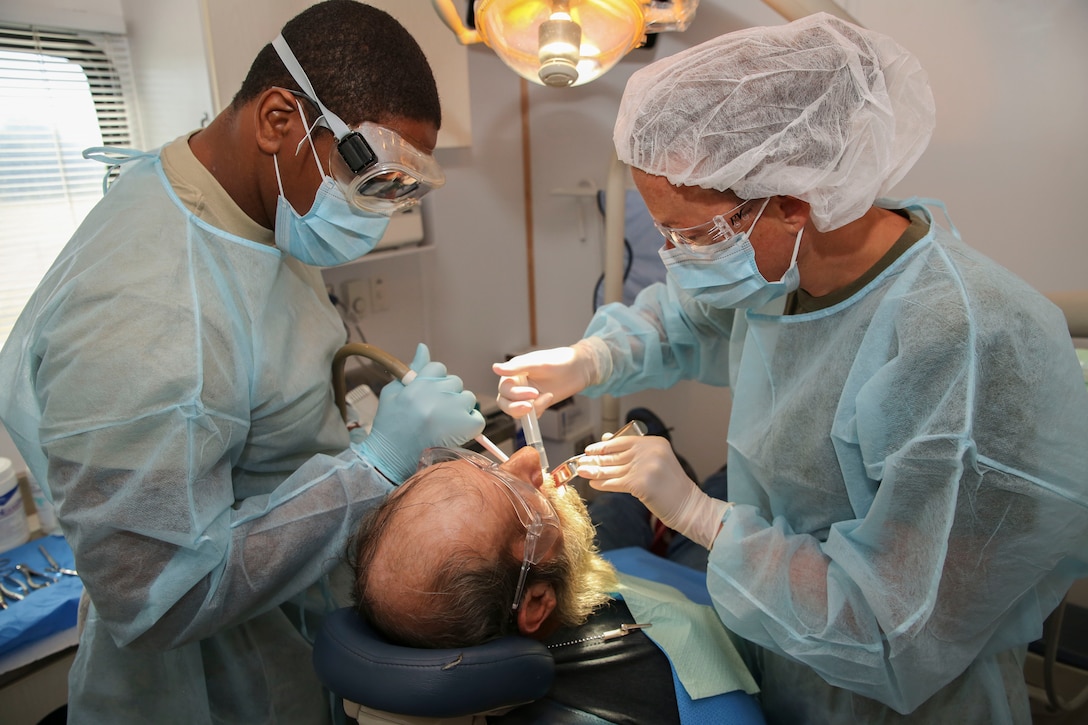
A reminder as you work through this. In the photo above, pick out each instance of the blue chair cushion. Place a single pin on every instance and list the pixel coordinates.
(355, 662)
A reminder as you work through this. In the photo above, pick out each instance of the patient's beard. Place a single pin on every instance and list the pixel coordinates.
(591, 578)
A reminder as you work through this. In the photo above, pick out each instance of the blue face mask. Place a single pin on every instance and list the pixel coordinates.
(332, 232)
(724, 275)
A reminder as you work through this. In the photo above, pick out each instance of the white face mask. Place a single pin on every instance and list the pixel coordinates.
(333, 231)
(724, 275)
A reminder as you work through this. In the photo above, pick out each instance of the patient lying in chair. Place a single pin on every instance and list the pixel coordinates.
(468, 551)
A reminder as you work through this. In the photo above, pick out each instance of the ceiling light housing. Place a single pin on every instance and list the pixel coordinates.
(565, 43)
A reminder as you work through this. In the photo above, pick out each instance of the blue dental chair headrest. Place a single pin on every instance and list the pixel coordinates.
(359, 665)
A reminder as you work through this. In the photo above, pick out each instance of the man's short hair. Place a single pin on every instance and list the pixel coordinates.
(363, 64)
(468, 597)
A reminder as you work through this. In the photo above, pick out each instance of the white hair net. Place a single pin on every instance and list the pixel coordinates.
(819, 109)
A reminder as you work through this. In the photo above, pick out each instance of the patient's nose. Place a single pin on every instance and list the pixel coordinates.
(525, 464)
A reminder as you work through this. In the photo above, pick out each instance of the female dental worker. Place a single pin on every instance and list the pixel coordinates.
(169, 381)
(907, 458)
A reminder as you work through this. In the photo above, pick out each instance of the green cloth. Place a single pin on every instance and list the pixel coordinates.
(691, 635)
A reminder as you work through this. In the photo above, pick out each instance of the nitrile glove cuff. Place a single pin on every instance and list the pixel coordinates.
(596, 358)
(700, 517)
(384, 456)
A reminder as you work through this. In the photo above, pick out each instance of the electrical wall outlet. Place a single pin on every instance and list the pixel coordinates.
(379, 300)
(357, 297)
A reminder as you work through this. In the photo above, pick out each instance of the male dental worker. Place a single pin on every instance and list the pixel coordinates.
(906, 450)
(169, 381)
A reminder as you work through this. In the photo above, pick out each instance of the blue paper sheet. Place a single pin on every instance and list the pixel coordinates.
(42, 612)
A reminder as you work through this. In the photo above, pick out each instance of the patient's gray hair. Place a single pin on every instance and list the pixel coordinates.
(467, 600)
(467, 595)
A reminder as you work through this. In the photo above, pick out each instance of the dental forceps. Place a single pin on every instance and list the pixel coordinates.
(31, 575)
(10, 578)
(54, 567)
(568, 469)
(6, 594)
(622, 631)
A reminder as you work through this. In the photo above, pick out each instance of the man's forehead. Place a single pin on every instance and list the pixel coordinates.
(453, 495)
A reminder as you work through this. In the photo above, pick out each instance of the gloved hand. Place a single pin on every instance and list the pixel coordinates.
(646, 467)
(543, 377)
(432, 409)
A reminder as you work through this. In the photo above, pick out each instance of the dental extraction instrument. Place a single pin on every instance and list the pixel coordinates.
(394, 367)
(530, 424)
(54, 567)
(568, 469)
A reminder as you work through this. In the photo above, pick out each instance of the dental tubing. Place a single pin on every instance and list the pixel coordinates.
(404, 374)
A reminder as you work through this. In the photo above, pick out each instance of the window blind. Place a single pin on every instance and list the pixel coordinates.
(61, 91)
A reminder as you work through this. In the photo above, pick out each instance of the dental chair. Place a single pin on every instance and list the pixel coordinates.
(462, 686)
(383, 682)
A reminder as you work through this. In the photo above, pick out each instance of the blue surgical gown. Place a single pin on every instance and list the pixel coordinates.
(910, 473)
(171, 384)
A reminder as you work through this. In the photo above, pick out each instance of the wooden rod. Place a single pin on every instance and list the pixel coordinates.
(527, 173)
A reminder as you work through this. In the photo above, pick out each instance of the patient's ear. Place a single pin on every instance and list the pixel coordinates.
(537, 603)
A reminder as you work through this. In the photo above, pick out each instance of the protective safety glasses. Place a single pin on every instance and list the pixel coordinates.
(717, 229)
(534, 510)
(375, 167)
(378, 170)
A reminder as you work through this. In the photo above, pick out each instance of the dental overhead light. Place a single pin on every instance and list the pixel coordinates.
(564, 43)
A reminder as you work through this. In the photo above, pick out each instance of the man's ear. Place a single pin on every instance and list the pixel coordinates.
(275, 111)
(537, 604)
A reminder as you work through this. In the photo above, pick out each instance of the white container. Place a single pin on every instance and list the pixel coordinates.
(47, 515)
(14, 529)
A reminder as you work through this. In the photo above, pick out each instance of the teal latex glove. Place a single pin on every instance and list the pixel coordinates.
(431, 409)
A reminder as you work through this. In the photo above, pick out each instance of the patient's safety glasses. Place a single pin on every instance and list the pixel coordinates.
(375, 167)
(534, 510)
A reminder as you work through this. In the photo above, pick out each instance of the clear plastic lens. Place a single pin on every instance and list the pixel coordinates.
(399, 177)
(389, 185)
(716, 230)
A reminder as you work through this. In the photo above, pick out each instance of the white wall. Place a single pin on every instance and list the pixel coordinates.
(1009, 154)
(173, 85)
(1008, 157)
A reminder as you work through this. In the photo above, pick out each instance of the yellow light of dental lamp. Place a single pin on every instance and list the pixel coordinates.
(565, 43)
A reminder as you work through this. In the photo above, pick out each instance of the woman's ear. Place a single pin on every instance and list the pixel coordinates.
(538, 601)
(795, 212)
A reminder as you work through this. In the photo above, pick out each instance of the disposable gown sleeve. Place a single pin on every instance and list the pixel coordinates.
(964, 457)
(663, 337)
(143, 455)
(159, 592)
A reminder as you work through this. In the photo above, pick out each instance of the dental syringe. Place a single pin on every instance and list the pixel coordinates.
(530, 425)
